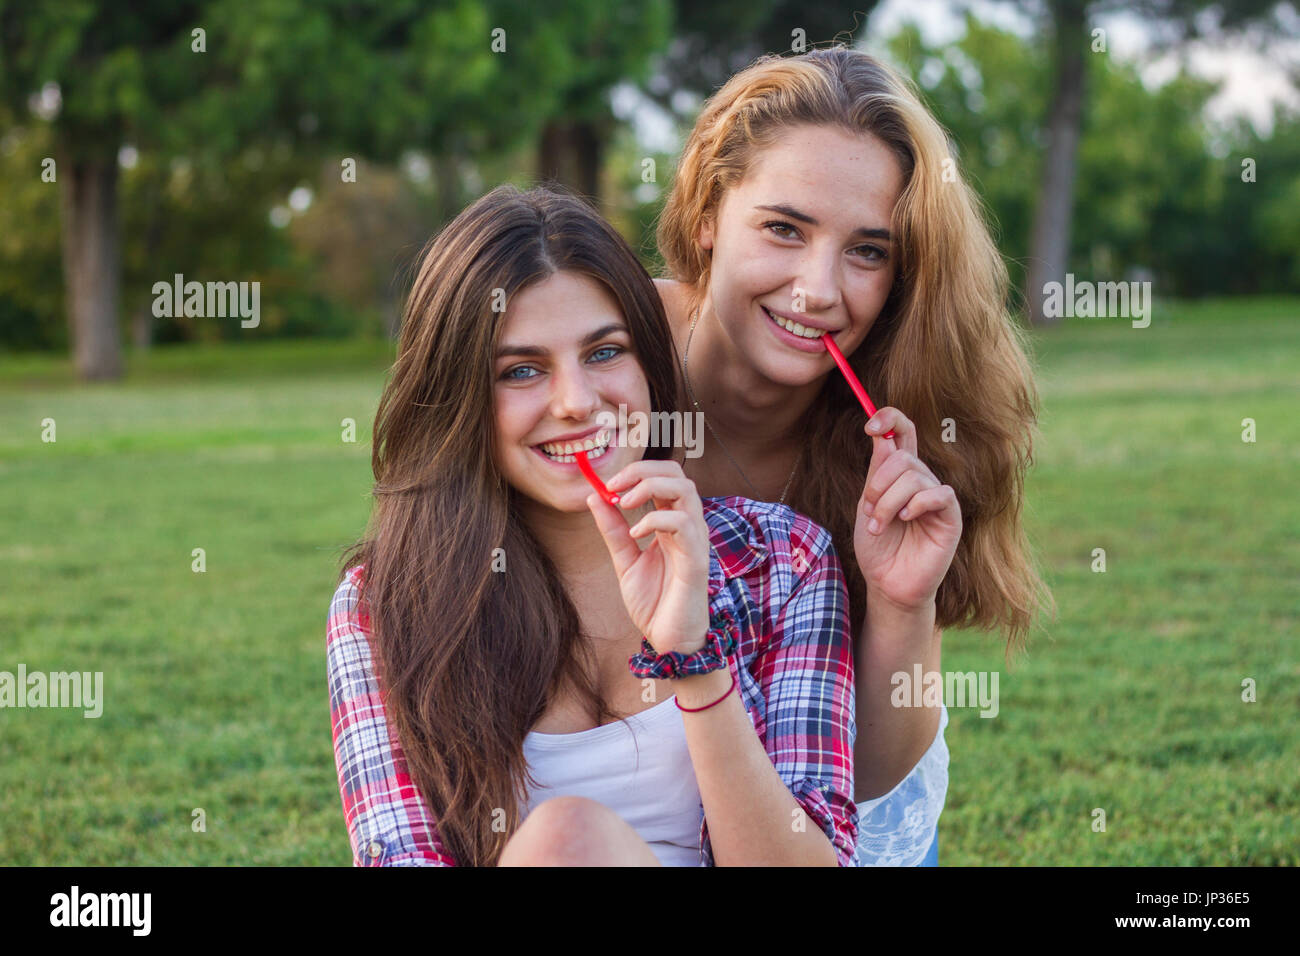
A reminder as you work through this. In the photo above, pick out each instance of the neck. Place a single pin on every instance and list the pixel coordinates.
(575, 546)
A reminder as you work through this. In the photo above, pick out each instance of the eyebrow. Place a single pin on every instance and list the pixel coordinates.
(787, 210)
(537, 350)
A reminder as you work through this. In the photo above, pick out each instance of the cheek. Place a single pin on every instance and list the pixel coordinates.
(748, 271)
(870, 293)
(632, 389)
(512, 419)
(878, 284)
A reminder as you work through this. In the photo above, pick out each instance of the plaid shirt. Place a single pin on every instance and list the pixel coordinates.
(774, 570)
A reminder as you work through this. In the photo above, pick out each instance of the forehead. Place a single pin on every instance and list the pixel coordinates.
(838, 177)
(556, 312)
(558, 303)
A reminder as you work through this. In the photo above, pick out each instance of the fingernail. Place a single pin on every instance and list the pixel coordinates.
(873, 426)
(903, 513)
(874, 527)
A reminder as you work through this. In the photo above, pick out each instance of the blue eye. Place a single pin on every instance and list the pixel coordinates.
(510, 376)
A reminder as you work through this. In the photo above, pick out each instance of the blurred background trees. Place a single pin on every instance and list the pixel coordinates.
(230, 162)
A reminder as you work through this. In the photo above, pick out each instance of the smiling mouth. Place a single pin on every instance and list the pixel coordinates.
(794, 328)
(563, 452)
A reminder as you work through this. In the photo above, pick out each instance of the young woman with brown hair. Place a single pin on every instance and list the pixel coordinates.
(516, 675)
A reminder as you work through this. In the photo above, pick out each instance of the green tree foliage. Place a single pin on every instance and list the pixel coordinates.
(210, 81)
(1156, 188)
(1253, 243)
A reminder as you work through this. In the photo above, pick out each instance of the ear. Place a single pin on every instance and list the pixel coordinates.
(705, 238)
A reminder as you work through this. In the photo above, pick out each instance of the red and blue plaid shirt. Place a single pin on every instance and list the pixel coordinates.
(777, 574)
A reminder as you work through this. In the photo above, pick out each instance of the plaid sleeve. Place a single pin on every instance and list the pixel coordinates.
(805, 670)
(388, 822)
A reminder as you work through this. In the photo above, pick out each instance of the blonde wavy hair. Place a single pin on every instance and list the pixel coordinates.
(943, 347)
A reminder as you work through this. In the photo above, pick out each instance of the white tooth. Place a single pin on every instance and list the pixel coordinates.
(796, 328)
(564, 451)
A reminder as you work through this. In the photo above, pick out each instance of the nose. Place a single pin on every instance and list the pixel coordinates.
(573, 394)
(818, 280)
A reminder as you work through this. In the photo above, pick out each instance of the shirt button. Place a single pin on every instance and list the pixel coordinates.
(375, 849)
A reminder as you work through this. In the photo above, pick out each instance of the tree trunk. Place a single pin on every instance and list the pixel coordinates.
(91, 264)
(570, 153)
(1049, 251)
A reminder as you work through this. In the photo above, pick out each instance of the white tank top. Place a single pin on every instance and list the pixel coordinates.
(644, 775)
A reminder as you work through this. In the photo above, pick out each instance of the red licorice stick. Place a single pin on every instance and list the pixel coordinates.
(852, 379)
(594, 479)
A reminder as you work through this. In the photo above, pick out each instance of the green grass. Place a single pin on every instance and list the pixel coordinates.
(1130, 700)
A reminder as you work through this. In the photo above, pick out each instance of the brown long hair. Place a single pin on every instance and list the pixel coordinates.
(468, 658)
(943, 346)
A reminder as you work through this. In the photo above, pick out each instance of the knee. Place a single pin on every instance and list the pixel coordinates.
(562, 831)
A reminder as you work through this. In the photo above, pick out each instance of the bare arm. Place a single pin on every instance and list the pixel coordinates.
(891, 740)
(753, 818)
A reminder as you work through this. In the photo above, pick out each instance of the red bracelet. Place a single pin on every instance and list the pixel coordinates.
(696, 710)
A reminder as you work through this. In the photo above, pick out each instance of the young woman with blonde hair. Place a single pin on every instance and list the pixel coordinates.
(817, 195)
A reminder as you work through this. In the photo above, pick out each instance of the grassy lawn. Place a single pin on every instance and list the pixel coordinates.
(214, 683)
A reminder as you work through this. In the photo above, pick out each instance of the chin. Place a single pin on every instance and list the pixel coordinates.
(550, 502)
(789, 370)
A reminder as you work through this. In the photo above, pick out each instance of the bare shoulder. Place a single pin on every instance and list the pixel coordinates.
(674, 295)
(670, 290)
